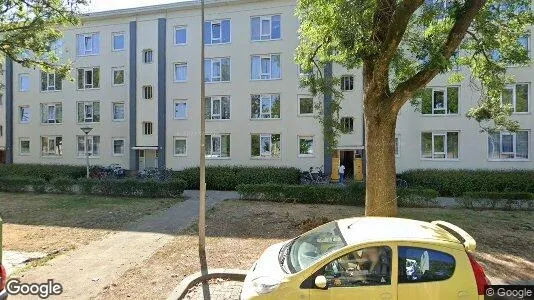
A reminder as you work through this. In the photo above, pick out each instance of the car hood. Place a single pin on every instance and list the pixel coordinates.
(268, 264)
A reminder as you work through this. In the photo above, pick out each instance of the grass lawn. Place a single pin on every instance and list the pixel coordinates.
(239, 232)
(55, 223)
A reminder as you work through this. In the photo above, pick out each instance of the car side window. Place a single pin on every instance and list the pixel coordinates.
(366, 267)
(424, 265)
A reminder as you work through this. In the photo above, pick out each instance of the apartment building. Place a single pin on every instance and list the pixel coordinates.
(136, 84)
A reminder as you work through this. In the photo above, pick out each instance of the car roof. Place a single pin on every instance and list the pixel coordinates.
(378, 229)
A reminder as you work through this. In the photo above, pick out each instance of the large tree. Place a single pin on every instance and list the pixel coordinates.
(400, 46)
(30, 29)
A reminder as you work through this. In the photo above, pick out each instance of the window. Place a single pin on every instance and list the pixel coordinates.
(118, 41)
(118, 111)
(147, 56)
(88, 78)
(89, 147)
(180, 109)
(51, 113)
(88, 112)
(218, 108)
(180, 146)
(347, 83)
(397, 145)
(366, 267)
(217, 32)
(265, 106)
(24, 114)
(218, 146)
(51, 146)
(51, 82)
(180, 35)
(517, 97)
(305, 105)
(347, 125)
(306, 146)
(88, 44)
(118, 147)
(424, 265)
(147, 92)
(24, 82)
(265, 67)
(265, 145)
(439, 145)
(508, 146)
(24, 146)
(147, 128)
(118, 76)
(180, 72)
(265, 28)
(217, 69)
(440, 101)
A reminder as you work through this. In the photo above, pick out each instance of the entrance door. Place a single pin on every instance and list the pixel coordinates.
(148, 159)
(2, 157)
(347, 159)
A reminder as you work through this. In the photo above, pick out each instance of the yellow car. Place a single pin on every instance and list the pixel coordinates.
(370, 258)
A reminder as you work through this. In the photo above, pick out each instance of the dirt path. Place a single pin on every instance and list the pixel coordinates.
(83, 273)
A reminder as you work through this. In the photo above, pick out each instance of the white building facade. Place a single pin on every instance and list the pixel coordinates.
(136, 83)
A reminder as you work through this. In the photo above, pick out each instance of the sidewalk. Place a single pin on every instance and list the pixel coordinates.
(84, 272)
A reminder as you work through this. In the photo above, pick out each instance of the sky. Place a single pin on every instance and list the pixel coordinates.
(103, 5)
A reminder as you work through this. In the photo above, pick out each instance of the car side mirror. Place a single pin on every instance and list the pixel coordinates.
(320, 282)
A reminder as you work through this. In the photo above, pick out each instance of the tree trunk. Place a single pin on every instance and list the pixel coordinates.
(381, 195)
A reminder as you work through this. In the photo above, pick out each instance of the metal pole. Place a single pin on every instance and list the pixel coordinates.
(87, 156)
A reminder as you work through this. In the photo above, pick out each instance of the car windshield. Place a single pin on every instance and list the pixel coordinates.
(313, 245)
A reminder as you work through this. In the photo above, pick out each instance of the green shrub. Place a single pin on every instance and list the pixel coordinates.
(495, 200)
(455, 183)
(417, 198)
(46, 172)
(14, 184)
(227, 178)
(62, 185)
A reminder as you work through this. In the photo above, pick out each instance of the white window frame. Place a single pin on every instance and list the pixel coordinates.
(87, 48)
(299, 98)
(268, 37)
(25, 139)
(269, 98)
(176, 29)
(88, 140)
(218, 41)
(445, 101)
(147, 92)
(115, 104)
(50, 82)
(513, 88)
(443, 134)
(351, 79)
(267, 75)
(212, 99)
(85, 85)
(113, 140)
(266, 154)
(47, 106)
(397, 145)
(179, 138)
(148, 128)
(212, 63)
(514, 141)
(219, 137)
(176, 66)
(147, 53)
(113, 36)
(48, 152)
(24, 77)
(27, 109)
(306, 137)
(118, 69)
(86, 104)
(182, 101)
(341, 123)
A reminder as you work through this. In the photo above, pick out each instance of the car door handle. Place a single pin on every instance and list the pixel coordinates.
(386, 296)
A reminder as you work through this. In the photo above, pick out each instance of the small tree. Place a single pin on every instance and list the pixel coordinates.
(29, 30)
(401, 45)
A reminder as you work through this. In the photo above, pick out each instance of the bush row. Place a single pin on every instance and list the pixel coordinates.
(455, 183)
(119, 188)
(353, 194)
(227, 178)
(46, 172)
(495, 200)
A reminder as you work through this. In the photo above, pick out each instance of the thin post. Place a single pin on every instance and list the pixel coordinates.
(86, 155)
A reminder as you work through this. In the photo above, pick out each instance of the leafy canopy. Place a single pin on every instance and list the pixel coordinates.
(30, 31)
(404, 44)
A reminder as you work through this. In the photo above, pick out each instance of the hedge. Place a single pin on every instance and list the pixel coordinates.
(455, 183)
(119, 188)
(354, 194)
(495, 200)
(46, 172)
(227, 178)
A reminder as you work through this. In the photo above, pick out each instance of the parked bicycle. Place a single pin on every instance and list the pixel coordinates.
(314, 176)
(401, 183)
(158, 174)
(114, 171)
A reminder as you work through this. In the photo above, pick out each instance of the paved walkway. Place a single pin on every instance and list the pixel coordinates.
(219, 290)
(84, 272)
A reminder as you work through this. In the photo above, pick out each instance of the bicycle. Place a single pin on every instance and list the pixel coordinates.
(401, 183)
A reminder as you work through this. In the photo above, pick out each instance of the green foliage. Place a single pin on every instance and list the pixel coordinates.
(354, 194)
(46, 172)
(226, 178)
(455, 183)
(496, 200)
(29, 28)
(18, 184)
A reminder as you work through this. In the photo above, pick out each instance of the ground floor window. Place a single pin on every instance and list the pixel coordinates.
(24, 146)
(439, 145)
(118, 147)
(91, 147)
(218, 146)
(508, 145)
(306, 146)
(180, 146)
(51, 146)
(265, 145)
